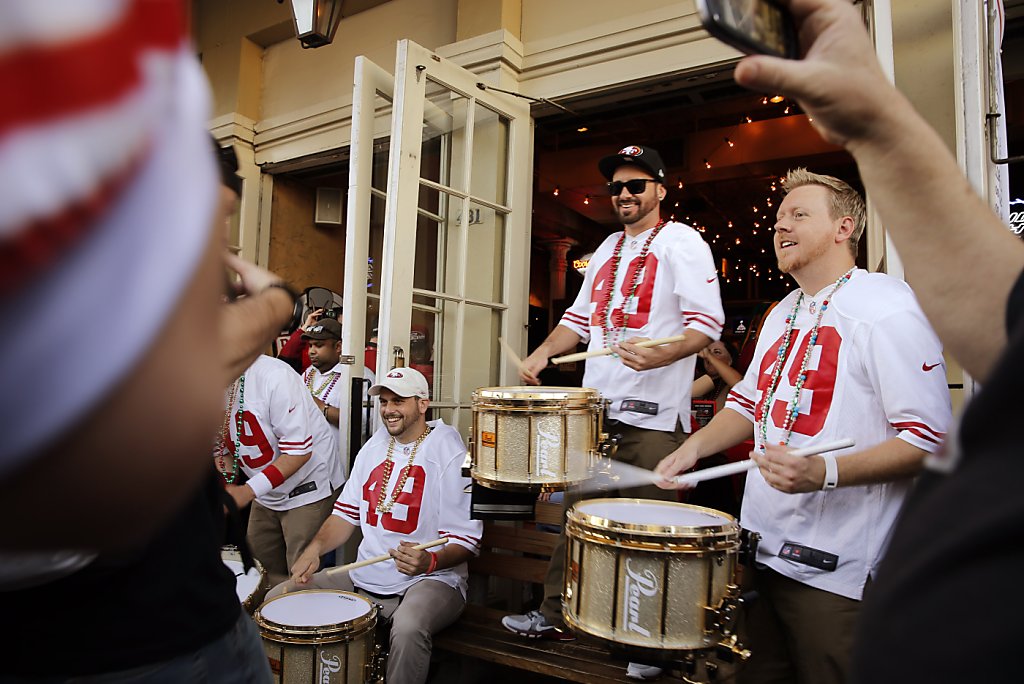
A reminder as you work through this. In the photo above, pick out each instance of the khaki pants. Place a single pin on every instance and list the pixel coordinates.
(427, 607)
(639, 447)
(278, 538)
(796, 633)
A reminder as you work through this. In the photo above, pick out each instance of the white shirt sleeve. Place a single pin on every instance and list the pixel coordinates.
(288, 416)
(906, 368)
(347, 505)
(696, 286)
(454, 514)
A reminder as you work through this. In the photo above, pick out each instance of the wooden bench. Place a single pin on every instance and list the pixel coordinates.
(519, 552)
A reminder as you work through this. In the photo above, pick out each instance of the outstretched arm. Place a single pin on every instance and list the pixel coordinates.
(840, 84)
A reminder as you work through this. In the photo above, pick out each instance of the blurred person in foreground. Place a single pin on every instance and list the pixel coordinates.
(935, 613)
(110, 226)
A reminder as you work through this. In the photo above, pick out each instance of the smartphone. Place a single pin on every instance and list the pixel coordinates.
(751, 26)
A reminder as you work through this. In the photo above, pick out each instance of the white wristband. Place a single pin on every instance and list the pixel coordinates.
(260, 485)
(831, 472)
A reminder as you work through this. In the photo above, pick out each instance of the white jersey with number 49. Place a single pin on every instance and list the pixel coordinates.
(677, 291)
(875, 372)
(433, 503)
(280, 417)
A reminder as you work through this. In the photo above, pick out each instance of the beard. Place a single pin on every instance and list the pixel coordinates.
(637, 211)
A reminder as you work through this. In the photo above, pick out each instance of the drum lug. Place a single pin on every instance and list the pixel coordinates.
(608, 445)
(729, 649)
(721, 619)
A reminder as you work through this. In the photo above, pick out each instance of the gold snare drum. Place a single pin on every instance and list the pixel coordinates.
(644, 574)
(319, 636)
(534, 438)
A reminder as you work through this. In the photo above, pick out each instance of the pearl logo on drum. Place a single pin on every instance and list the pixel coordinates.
(328, 665)
(638, 584)
(548, 444)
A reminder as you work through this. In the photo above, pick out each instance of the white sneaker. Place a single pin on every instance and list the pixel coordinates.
(534, 625)
(646, 673)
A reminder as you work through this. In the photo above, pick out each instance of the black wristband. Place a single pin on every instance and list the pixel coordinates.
(296, 318)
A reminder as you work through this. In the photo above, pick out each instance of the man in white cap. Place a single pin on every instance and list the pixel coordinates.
(396, 507)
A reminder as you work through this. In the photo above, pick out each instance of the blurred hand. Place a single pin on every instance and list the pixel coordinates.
(242, 494)
(410, 560)
(306, 564)
(790, 474)
(532, 366)
(644, 358)
(838, 83)
(253, 279)
(679, 461)
(312, 317)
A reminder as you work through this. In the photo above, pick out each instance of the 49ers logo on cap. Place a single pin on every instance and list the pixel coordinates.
(395, 374)
(632, 151)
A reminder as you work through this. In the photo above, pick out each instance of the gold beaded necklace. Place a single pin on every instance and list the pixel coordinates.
(383, 507)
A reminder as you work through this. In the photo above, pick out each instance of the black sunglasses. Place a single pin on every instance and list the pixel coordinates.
(636, 186)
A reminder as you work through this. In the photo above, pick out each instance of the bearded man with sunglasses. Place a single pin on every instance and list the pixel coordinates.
(653, 279)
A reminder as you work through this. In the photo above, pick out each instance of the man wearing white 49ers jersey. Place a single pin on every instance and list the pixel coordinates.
(848, 355)
(277, 436)
(654, 279)
(406, 488)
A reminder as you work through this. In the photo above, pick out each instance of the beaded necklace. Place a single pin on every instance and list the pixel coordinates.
(793, 410)
(221, 444)
(329, 381)
(383, 507)
(607, 324)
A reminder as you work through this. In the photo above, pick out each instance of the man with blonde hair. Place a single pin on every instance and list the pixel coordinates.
(846, 355)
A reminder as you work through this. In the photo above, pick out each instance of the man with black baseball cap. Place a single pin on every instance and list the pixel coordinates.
(653, 279)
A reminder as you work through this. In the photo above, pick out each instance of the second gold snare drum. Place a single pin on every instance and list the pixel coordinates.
(644, 573)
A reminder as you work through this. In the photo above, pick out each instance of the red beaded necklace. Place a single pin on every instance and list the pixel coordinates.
(607, 324)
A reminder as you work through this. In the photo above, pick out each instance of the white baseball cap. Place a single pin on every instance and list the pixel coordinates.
(405, 382)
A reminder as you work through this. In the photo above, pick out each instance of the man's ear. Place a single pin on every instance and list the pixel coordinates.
(845, 229)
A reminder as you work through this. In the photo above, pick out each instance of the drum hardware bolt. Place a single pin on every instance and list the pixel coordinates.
(711, 668)
(728, 650)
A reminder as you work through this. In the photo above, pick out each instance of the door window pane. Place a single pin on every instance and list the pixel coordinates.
(486, 258)
(490, 155)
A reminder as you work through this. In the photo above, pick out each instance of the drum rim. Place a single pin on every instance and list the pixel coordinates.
(520, 486)
(536, 393)
(585, 520)
(338, 631)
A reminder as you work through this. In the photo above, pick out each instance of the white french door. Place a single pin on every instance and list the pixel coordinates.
(455, 237)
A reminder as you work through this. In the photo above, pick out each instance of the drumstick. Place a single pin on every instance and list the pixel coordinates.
(512, 356)
(579, 356)
(384, 557)
(742, 466)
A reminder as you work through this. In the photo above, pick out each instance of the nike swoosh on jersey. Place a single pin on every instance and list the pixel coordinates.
(291, 409)
(925, 367)
(711, 279)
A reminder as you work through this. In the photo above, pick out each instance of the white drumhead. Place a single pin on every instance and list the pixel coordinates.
(632, 512)
(315, 608)
(245, 583)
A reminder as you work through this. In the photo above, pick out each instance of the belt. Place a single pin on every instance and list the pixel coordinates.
(383, 597)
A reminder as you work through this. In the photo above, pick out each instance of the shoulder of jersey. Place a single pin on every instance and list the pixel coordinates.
(877, 295)
(679, 232)
(268, 366)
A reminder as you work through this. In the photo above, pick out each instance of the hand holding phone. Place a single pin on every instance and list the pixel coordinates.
(751, 26)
